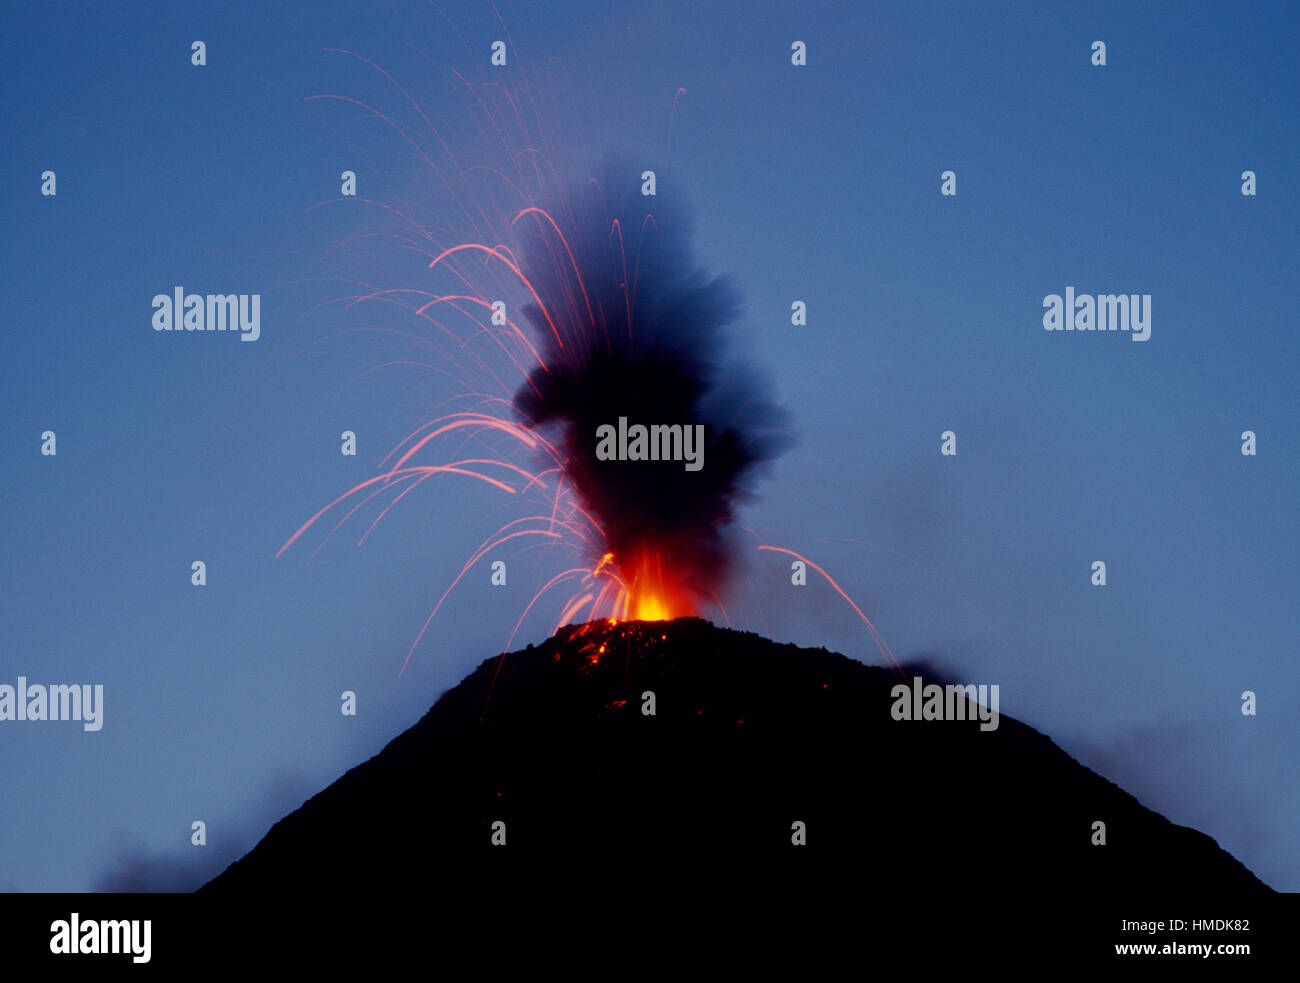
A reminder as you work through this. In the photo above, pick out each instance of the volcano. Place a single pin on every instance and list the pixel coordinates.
(546, 771)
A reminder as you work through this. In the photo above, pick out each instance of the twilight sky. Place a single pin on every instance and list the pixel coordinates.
(819, 184)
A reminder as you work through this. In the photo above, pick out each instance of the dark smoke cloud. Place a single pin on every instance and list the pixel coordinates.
(134, 868)
(653, 349)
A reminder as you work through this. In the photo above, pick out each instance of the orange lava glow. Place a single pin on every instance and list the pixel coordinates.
(653, 593)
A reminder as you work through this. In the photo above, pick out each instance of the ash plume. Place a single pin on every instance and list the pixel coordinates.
(642, 335)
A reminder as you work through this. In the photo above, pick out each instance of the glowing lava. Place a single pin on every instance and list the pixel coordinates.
(653, 593)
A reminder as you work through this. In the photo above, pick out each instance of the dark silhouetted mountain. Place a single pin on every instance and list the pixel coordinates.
(749, 737)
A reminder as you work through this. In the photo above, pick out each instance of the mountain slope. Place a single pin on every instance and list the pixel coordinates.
(748, 738)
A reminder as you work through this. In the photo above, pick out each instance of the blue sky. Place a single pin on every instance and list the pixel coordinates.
(819, 184)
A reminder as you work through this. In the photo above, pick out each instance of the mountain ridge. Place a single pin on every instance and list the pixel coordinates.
(748, 738)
